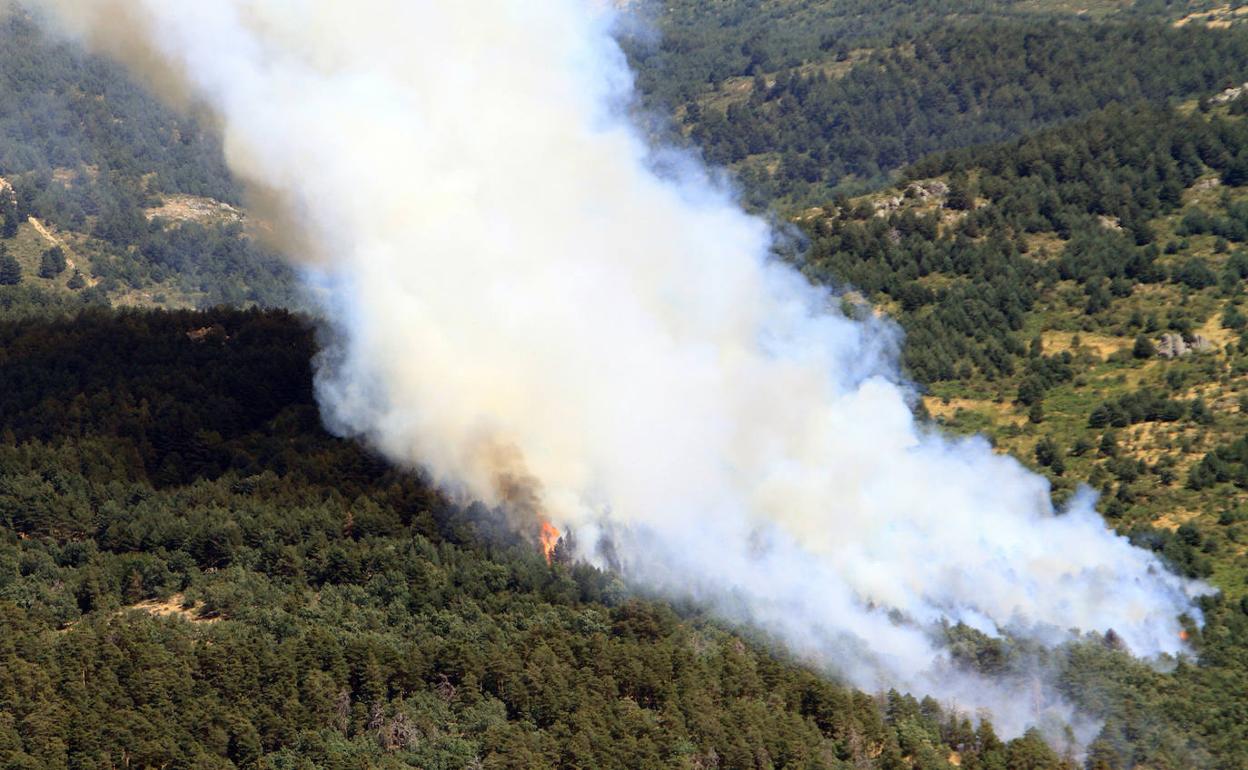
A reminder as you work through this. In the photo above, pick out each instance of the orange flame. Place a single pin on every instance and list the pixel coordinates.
(1183, 635)
(549, 537)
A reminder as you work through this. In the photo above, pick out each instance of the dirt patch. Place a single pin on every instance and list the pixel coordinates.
(1216, 333)
(1043, 246)
(738, 89)
(70, 176)
(1175, 518)
(174, 606)
(1216, 18)
(1150, 441)
(1001, 413)
(1102, 345)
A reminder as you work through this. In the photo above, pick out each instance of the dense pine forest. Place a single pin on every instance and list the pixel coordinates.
(1051, 201)
(834, 98)
(193, 573)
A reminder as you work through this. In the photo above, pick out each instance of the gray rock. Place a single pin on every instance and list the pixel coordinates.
(1173, 345)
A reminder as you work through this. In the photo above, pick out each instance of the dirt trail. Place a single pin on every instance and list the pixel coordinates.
(53, 239)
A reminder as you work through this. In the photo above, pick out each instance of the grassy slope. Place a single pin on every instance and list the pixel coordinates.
(83, 252)
(1101, 345)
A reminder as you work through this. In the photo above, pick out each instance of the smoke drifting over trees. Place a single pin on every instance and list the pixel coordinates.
(505, 262)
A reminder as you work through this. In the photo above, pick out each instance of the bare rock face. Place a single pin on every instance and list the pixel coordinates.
(927, 190)
(888, 205)
(1200, 345)
(1173, 345)
(1229, 95)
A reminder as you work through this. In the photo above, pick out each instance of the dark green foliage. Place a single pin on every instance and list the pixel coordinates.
(1195, 274)
(1227, 463)
(325, 608)
(1035, 414)
(363, 621)
(340, 612)
(1047, 452)
(967, 323)
(1109, 444)
(1140, 406)
(1129, 165)
(52, 263)
(1236, 172)
(961, 197)
(9, 213)
(1182, 549)
(360, 620)
(62, 109)
(1230, 226)
(929, 82)
(10, 270)
(87, 149)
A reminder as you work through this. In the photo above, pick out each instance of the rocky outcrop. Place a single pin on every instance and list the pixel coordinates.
(1173, 345)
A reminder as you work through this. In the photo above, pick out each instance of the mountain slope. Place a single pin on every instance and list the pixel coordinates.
(803, 99)
(193, 574)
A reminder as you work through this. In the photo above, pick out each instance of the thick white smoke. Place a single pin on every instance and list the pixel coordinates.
(524, 300)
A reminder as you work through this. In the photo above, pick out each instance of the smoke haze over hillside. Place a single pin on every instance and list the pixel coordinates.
(541, 311)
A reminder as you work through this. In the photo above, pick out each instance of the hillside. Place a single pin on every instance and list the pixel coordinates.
(136, 195)
(805, 99)
(1050, 198)
(192, 573)
(1043, 283)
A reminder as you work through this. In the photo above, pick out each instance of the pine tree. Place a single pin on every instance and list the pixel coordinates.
(961, 197)
(1047, 452)
(10, 270)
(1035, 414)
(8, 208)
(52, 263)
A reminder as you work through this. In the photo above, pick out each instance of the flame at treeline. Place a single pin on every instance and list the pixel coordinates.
(549, 538)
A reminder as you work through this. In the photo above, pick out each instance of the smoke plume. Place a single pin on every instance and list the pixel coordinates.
(540, 309)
